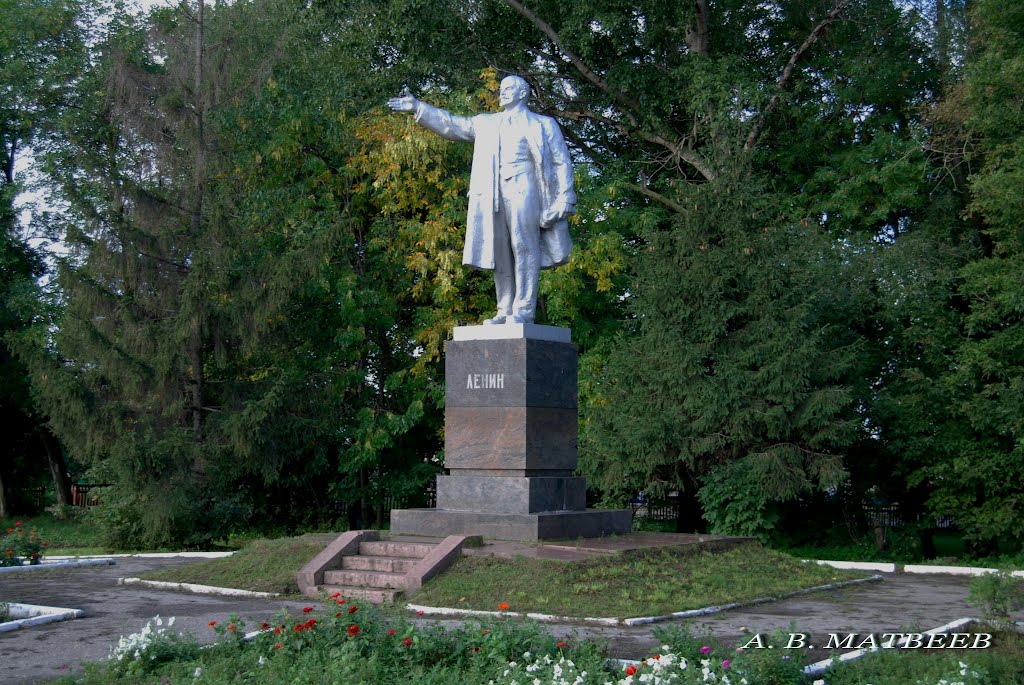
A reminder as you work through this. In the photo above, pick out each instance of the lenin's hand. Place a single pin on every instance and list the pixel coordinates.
(559, 210)
(404, 103)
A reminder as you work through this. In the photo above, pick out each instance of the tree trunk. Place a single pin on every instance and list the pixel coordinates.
(58, 468)
(3, 496)
(364, 503)
(690, 518)
(697, 36)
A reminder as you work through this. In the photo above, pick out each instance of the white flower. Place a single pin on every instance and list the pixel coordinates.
(262, 660)
(198, 672)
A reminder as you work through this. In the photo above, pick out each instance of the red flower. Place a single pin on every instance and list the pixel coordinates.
(419, 613)
(278, 646)
(306, 610)
(353, 630)
(407, 642)
(277, 630)
(353, 609)
(503, 606)
(631, 670)
(231, 627)
(336, 595)
(10, 530)
(486, 632)
(559, 644)
(310, 623)
(391, 632)
(212, 623)
(338, 614)
(297, 628)
(17, 524)
(264, 626)
(341, 601)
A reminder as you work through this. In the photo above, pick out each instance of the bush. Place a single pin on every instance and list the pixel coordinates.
(19, 546)
(997, 594)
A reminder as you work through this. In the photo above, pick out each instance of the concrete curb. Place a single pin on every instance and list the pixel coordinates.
(147, 555)
(882, 567)
(196, 589)
(819, 667)
(888, 567)
(955, 570)
(823, 665)
(34, 615)
(46, 565)
(643, 620)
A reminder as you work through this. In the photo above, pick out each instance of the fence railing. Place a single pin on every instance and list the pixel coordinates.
(82, 495)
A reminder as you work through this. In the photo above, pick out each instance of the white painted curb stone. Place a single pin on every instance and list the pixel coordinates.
(58, 564)
(197, 589)
(149, 555)
(820, 666)
(858, 565)
(954, 570)
(24, 615)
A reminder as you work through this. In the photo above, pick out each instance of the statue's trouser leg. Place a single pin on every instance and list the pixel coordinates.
(504, 267)
(521, 207)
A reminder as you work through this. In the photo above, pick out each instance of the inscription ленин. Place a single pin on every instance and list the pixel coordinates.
(485, 381)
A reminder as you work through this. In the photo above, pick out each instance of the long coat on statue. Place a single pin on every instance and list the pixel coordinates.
(552, 170)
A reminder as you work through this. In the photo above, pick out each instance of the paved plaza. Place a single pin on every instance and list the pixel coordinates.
(40, 653)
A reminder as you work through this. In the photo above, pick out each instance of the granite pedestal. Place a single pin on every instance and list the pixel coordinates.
(510, 441)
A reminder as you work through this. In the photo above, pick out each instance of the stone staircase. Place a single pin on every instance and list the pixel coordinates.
(360, 565)
(377, 574)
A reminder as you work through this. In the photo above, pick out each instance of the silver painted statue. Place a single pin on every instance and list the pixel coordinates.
(520, 193)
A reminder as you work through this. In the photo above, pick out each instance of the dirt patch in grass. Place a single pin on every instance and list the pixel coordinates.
(263, 566)
(651, 583)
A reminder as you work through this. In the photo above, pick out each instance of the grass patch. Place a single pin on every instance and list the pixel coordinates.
(263, 566)
(64, 534)
(75, 551)
(625, 585)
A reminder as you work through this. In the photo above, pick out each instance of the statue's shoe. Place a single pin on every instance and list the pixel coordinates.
(498, 319)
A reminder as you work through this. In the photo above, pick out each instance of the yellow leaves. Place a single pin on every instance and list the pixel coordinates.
(271, 84)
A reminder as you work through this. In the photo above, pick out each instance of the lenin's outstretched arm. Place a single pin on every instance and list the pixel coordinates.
(441, 122)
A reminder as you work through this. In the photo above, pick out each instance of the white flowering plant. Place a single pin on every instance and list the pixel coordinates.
(155, 644)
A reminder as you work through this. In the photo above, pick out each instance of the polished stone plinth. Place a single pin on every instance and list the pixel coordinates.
(511, 429)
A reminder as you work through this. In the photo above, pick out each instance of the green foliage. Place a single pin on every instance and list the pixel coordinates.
(997, 594)
(734, 371)
(154, 646)
(20, 545)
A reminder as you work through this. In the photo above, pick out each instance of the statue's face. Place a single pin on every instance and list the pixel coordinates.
(511, 92)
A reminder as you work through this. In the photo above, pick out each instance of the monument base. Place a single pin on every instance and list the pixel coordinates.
(547, 525)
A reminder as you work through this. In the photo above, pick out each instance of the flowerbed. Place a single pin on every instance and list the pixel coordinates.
(347, 642)
(19, 546)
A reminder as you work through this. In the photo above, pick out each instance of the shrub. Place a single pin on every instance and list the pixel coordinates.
(19, 546)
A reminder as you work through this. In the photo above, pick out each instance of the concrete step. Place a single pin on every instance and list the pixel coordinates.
(406, 550)
(370, 579)
(385, 564)
(371, 595)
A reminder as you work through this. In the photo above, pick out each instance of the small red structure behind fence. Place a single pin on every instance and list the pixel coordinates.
(82, 496)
